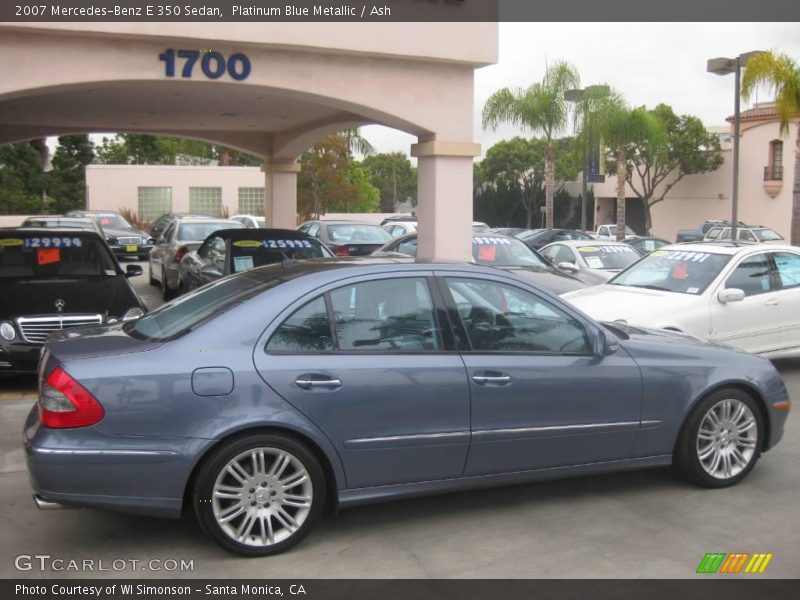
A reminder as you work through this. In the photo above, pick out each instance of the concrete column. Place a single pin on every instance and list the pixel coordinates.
(444, 199)
(280, 194)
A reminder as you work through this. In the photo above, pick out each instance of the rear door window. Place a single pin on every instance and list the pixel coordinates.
(307, 330)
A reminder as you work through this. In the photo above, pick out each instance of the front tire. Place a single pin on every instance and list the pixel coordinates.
(260, 494)
(721, 440)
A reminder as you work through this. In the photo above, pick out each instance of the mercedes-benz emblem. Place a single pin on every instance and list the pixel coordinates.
(60, 304)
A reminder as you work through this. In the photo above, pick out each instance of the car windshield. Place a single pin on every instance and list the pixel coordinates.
(767, 235)
(680, 271)
(61, 255)
(628, 230)
(353, 234)
(608, 256)
(247, 254)
(190, 232)
(110, 220)
(504, 251)
(189, 311)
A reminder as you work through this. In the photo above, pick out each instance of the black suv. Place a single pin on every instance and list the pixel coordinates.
(123, 238)
(53, 279)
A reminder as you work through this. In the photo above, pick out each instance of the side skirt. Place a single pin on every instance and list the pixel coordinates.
(355, 497)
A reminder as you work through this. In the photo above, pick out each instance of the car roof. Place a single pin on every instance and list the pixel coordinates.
(727, 247)
(47, 231)
(578, 243)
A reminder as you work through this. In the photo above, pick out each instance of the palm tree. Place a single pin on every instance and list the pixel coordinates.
(357, 143)
(781, 75)
(620, 126)
(540, 108)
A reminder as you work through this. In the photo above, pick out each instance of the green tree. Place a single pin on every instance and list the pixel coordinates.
(67, 180)
(781, 75)
(395, 178)
(145, 149)
(540, 108)
(21, 178)
(686, 148)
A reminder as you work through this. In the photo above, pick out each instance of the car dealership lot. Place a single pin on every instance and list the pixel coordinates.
(640, 524)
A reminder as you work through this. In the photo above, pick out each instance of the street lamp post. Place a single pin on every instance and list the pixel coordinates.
(726, 66)
(582, 95)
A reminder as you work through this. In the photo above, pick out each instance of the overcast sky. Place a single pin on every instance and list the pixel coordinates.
(649, 63)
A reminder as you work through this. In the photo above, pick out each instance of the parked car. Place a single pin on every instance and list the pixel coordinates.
(645, 245)
(743, 295)
(513, 231)
(53, 279)
(235, 250)
(123, 239)
(698, 233)
(251, 221)
(539, 238)
(59, 222)
(591, 262)
(609, 232)
(160, 225)
(398, 229)
(758, 235)
(503, 252)
(347, 238)
(263, 397)
(182, 236)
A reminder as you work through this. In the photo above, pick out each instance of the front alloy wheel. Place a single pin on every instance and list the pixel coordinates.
(721, 440)
(260, 495)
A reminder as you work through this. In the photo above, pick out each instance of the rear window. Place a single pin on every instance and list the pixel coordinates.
(109, 220)
(247, 254)
(53, 256)
(57, 223)
(503, 251)
(354, 234)
(196, 232)
(193, 309)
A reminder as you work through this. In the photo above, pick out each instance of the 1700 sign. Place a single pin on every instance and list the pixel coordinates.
(212, 63)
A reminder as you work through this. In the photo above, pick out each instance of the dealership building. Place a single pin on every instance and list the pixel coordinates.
(270, 89)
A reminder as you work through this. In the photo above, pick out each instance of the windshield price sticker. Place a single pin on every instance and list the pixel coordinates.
(588, 249)
(6, 242)
(616, 249)
(683, 255)
(287, 244)
(53, 242)
(495, 241)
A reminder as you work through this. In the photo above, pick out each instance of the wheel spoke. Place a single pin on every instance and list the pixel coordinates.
(738, 413)
(706, 452)
(297, 501)
(747, 425)
(293, 480)
(738, 457)
(286, 520)
(228, 493)
(246, 526)
(279, 466)
(231, 512)
(715, 463)
(746, 443)
(235, 469)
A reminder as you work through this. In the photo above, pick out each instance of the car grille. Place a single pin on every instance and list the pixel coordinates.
(130, 241)
(36, 329)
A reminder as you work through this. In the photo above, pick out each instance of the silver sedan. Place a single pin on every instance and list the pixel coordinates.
(592, 261)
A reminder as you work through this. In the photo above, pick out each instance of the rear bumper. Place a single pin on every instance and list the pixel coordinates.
(86, 468)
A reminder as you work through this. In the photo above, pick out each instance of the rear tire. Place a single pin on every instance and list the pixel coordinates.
(166, 293)
(721, 440)
(259, 495)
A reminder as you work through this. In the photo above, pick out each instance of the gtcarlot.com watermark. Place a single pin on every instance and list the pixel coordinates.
(46, 562)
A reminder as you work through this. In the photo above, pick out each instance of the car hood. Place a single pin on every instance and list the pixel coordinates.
(104, 295)
(125, 232)
(635, 305)
(548, 278)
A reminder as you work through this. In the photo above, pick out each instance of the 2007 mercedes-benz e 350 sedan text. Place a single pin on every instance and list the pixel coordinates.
(259, 398)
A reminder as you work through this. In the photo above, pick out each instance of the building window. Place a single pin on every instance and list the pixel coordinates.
(205, 201)
(251, 201)
(154, 202)
(774, 172)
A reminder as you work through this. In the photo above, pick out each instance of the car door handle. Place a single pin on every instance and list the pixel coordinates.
(499, 379)
(772, 302)
(308, 382)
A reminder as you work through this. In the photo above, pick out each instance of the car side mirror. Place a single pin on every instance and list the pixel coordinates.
(607, 343)
(568, 267)
(133, 270)
(730, 295)
(211, 271)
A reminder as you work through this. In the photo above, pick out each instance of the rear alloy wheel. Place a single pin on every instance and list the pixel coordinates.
(259, 495)
(721, 441)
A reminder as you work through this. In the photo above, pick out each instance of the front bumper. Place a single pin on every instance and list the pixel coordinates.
(138, 250)
(85, 467)
(18, 357)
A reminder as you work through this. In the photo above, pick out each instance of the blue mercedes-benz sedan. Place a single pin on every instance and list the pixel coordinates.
(260, 398)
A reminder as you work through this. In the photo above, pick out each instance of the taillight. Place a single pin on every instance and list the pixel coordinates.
(63, 402)
(342, 251)
(181, 252)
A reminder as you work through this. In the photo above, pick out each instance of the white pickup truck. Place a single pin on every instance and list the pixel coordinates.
(609, 232)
